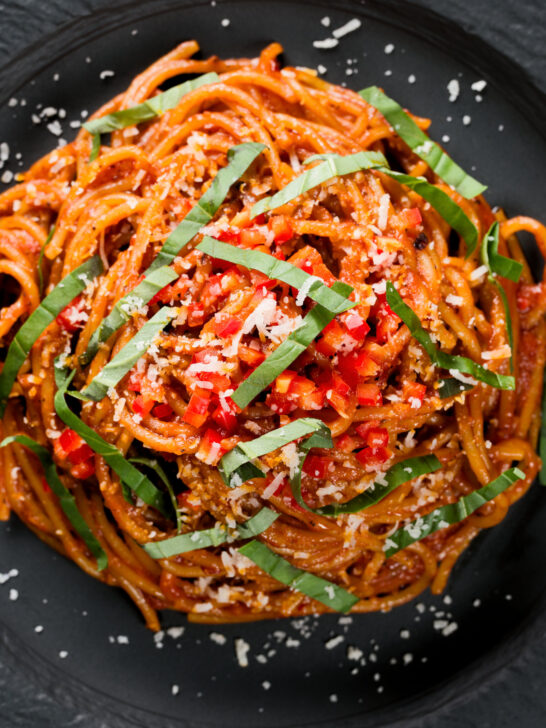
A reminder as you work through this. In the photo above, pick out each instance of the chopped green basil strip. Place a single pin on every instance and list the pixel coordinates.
(422, 145)
(287, 352)
(499, 265)
(321, 438)
(443, 204)
(440, 358)
(121, 313)
(41, 260)
(329, 594)
(66, 499)
(450, 514)
(162, 475)
(128, 356)
(211, 536)
(398, 474)
(495, 262)
(542, 441)
(278, 270)
(95, 147)
(52, 305)
(149, 109)
(333, 165)
(438, 199)
(451, 387)
(240, 158)
(236, 467)
(128, 474)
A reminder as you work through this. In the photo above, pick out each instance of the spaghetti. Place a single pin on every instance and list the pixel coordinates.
(288, 360)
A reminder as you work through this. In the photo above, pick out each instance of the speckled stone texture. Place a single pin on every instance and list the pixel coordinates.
(515, 697)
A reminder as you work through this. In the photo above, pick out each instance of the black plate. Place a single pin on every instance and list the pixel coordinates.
(502, 572)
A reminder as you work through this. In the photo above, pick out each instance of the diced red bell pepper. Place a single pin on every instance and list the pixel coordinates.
(83, 470)
(317, 466)
(280, 225)
(373, 456)
(230, 235)
(346, 443)
(355, 365)
(69, 440)
(411, 217)
(162, 411)
(332, 339)
(80, 454)
(368, 394)
(227, 327)
(135, 381)
(251, 238)
(364, 427)
(284, 381)
(281, 404)
(142, 405)
(338, 394)
(226, 419)
(386, 328)
(196, 314)
(46, 486)
(249, 355)
(414, 391)
(219, 382)
(69, 318)
(210, 448)
(196, 413)
(356, 326)
(377, 437)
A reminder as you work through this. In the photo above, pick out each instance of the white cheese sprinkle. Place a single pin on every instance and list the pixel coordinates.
(383, 212)
(241, 651)
(477, 273)
(325, 44)
(349, 27)
(454, 89)
(479, 86)
(304, 290)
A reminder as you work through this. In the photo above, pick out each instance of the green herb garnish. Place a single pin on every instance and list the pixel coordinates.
(128, 356)
(162, 475)
(236, 467)
(421, 144)
(448, 515)
(451, 387)
(398, 474)
(329, 594)
(278, 270)
(334, 165)
(122, 311)
(240, 158)
(52, 305)
(287, 352)
(440, 358)
(148, 109)
(66, 499)
(499, 265)
(128, 474)
(211, 536)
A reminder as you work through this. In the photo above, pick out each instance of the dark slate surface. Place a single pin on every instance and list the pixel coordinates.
(517, 695)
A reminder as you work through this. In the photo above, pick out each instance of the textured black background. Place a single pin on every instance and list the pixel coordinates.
(517, 695)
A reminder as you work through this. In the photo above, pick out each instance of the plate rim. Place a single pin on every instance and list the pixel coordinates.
(37, 57)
